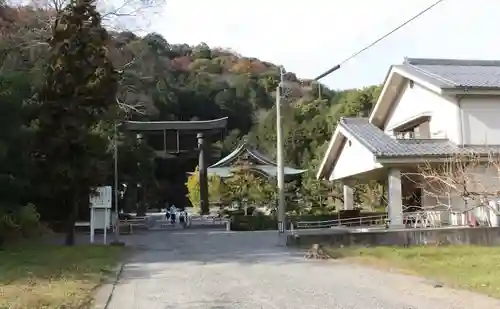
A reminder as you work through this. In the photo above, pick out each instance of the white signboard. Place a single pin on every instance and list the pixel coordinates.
(100, 211)
(102, 197)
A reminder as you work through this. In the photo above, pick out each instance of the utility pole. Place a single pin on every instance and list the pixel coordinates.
(116, 239)
(279, 157)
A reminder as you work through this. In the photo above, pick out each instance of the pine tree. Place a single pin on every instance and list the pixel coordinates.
(79, 92)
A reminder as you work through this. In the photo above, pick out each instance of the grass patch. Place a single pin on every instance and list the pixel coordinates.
(474, 268)
(50, 276)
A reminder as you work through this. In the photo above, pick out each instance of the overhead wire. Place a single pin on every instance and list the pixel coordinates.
(336, 67)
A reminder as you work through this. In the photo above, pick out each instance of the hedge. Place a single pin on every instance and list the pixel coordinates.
(253, 223)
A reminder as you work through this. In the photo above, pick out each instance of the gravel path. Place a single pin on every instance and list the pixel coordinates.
(221, 270)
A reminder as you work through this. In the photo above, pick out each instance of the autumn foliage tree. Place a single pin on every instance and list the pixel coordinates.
(216, 189)
(78, 93)
(247, 186)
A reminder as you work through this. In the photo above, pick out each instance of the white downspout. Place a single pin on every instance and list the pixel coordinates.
(461, 116)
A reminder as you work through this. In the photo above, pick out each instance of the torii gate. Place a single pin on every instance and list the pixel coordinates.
(175, 138)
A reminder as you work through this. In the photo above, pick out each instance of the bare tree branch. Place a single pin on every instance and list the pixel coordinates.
(461, 183)
(139, 109)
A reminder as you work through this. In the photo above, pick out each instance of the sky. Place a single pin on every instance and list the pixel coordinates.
(309, 37)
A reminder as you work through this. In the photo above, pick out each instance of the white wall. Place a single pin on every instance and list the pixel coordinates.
(418, 100)
(481, 120)
(353, 159)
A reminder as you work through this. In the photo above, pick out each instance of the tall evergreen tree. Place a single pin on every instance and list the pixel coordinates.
(79, 91)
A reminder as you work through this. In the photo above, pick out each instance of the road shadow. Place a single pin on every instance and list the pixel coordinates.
(155, 253)
(152, 252)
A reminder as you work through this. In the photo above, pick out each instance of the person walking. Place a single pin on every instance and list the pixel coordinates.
(173, 212)
(167, 211)
(183, 218)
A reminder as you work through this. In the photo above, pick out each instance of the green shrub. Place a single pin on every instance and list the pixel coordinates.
(8, 227)
(28, 220)
(253, 223)
(19, 221)
(228, 213)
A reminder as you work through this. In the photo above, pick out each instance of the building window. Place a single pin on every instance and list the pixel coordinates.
(413, 128)
(407, 134)
(418, 131)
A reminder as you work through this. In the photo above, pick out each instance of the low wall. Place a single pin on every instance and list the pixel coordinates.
(486, 236)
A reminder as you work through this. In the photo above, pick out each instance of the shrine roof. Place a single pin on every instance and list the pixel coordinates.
(244, 150)
(268, 170)
(223, 168)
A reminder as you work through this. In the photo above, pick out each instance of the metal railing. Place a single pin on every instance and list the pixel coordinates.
(418, 219)
(209, 219)
(145, 222)
(434, 219)
(377, 220)
(423, 219)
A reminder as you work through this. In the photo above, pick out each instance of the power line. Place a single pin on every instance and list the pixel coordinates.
(335, 68)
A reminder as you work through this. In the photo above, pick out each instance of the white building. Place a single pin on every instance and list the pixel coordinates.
(429, 110)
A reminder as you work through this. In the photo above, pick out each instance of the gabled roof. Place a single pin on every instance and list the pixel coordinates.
(243, 149)
(382, 145)
(442, 76)
(385, 147)
(455, 73)
(223, 168)
(271, 171)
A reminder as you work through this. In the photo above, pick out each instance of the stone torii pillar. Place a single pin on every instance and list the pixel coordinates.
(202, 169)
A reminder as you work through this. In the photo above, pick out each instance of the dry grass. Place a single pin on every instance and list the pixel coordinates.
(470, 267)
(43, 276)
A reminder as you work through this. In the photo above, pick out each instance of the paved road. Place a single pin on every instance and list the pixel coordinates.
(220, 270)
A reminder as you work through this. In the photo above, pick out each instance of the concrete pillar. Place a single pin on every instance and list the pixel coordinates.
(395, 199)
(348, 198)
(202, 168)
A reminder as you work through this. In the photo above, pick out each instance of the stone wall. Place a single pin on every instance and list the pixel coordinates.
(486, 236)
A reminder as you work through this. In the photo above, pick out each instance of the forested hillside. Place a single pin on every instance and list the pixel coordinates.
(165, 81)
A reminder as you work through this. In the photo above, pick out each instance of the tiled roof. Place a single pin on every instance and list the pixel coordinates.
(382, 145)
(223, 167)
(454, 73)
(269, 170)
(243, 148)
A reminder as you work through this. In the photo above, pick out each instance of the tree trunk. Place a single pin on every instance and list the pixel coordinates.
(141, 208)
(382, 200)
(74, 205)
(131, 201)
(70, 223)
(142, 203)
